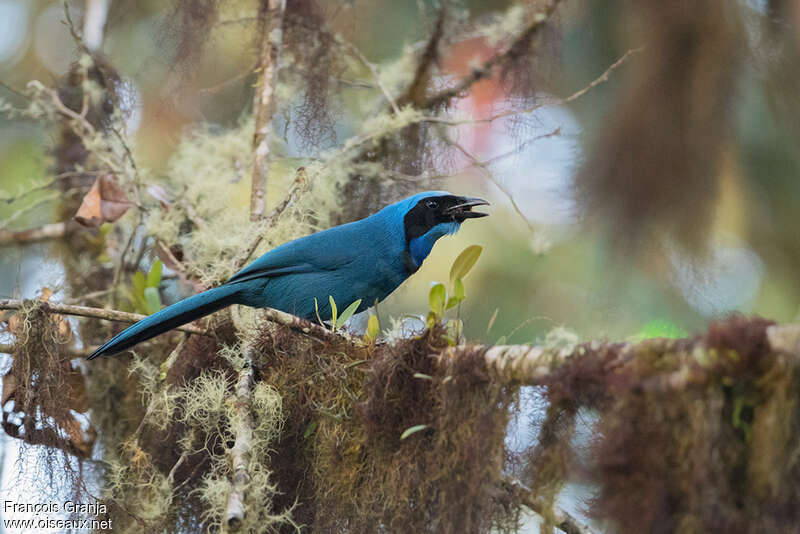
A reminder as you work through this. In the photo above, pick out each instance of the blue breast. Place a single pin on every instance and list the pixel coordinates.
(421, 246)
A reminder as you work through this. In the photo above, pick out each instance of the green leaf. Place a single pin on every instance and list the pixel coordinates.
(316, 310)
(412, 430)
(373, 328)
(333, 312)
(423, 376)
(458, 294)
(137, 296)
(465, 261)
(349, 311)
(458, 289)
(456, 327)
(152, 299)
(138, 284)
(154, 276)
(436, 298)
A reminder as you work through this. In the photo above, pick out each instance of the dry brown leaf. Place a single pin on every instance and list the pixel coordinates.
(46, 294)
(105, 202)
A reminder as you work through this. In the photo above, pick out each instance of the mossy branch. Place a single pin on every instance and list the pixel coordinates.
(536, 365)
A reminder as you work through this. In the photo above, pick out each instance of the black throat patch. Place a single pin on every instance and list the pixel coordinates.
(426, 214)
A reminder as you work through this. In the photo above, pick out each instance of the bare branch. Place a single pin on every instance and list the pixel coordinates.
(264, 105)
(94, 313)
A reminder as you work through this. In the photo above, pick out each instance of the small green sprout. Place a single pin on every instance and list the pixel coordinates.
(336, 319)
(373, 329)
(145, 296)
(438, 299)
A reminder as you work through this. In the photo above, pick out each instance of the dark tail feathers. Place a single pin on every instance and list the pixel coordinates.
(170, 317)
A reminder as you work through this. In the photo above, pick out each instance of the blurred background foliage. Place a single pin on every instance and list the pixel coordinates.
(661, 201)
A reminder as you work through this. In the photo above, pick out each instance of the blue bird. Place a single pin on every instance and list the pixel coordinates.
(366, 259)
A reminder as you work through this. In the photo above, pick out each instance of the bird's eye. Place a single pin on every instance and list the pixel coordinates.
(432, 204)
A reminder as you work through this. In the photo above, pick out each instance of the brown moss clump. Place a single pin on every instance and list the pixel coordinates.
(342, 457)
(693, 435)
(45, 389)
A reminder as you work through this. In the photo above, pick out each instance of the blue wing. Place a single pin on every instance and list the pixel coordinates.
(314, 253)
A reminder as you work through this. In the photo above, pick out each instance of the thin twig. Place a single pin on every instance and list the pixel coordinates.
(551, 102)
(264, 105)
(353, 49)
(483, 166)
(53, 181)
(298, 185)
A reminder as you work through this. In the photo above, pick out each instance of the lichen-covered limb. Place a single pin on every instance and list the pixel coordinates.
(264, 105)
(240, 452)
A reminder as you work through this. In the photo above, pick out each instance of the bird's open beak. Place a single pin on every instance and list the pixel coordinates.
(463, 210)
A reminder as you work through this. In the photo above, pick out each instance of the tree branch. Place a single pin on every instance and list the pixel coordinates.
(32, 235)
(264, 105)
(558, 517)
(508, 53)
(275, 316)
(94, 313)
(240, 452)
(415, 95)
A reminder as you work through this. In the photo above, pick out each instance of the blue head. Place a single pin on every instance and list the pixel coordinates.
(430, 215)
